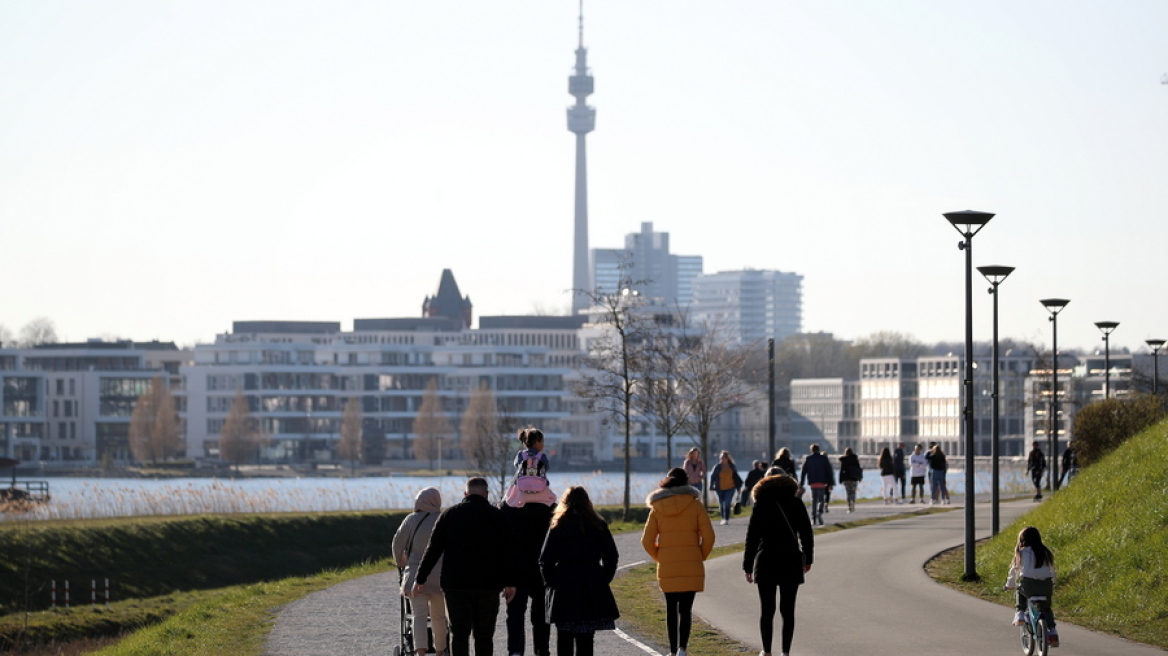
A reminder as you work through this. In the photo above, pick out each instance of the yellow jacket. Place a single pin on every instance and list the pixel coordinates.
(678, 536)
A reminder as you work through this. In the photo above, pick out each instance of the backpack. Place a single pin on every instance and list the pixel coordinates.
(528, 481)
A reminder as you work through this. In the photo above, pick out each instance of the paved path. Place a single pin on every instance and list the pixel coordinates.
(869, 594)
(361, 617)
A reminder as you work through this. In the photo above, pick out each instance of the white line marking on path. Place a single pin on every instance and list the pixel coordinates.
(636, 564)
(633, 641)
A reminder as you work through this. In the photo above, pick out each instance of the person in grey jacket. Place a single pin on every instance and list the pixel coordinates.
(409, 543)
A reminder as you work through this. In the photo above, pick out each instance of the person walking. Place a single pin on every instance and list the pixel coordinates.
(725, 482)
(1036, 467)
(918, 469)
(898, 467)
(887, 476)
(780, 548)
(784, 461)
(529, 525)
(409, 543)
(938, 470)
(578, 563)
(473, 539)
(757, 473)
(678, 536)
(1070, 464)
(695, 470)
(819, 475)
(851, 473)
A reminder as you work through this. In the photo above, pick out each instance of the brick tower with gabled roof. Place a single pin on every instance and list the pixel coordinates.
(448, 302)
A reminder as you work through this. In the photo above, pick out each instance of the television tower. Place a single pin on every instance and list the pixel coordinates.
(581, 121)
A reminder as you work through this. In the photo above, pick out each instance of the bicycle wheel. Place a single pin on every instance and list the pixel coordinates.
(1026, 634)
(1040, 637)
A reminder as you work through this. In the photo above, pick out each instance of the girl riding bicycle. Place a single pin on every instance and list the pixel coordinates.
(1032, 574)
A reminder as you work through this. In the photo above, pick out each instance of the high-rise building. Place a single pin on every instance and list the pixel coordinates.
(581, 121)
(646, 265)
(750, 305)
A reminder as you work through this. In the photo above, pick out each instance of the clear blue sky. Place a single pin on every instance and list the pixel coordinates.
(169, 167)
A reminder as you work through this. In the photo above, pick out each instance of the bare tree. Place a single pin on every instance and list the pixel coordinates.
(486, 442)
(661, 399)
(430, 426)
(7, 339)
(155, 432)
(613, 362)
(349, 445)
(238, 439)
(38, 331)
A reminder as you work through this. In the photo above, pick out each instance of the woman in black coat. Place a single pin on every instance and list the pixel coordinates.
(578, 562)
(780, 548)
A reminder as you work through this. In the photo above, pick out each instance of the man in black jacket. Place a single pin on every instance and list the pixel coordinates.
(475, 539)
(1036, 467)
(529, 524)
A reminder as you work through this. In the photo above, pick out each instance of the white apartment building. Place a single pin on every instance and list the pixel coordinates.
(750, 305)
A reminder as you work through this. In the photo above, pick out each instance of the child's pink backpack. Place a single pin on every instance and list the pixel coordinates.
(529, 487)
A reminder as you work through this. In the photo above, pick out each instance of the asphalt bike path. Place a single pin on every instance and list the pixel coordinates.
(362, 617)
(868, 593)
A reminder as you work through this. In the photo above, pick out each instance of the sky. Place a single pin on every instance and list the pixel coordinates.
(167, 168)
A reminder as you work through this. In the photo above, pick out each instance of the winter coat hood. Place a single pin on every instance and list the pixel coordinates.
(672, 500)
(428, 500)
(774, 487)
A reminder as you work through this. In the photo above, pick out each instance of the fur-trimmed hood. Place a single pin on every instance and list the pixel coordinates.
(672, 500)
(774, 487)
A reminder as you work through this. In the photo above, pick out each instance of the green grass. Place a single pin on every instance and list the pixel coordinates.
(1109, 534)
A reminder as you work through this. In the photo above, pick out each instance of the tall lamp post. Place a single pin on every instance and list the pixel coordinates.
(1106, 327)
(1155, 345)
(995, 274)
(968, 223)
(1054, 306)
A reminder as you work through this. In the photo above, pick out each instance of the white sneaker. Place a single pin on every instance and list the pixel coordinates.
(1019, 618)
(680, 652)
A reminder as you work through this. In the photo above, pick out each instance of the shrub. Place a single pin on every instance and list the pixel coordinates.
(1104, 425)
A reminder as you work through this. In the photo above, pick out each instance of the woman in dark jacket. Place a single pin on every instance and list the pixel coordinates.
(780, 548)
(887, 475)
(851, 473)
(784, 461)
(578, 562)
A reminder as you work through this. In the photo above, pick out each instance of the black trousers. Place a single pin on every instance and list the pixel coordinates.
(541, 631)
(569, 643)
(766, 619)
(472, 611)
(678, 618)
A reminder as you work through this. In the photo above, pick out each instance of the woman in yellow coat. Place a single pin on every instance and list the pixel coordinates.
(679, 537)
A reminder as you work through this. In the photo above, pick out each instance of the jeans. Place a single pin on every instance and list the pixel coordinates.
(541, 631)
(1036, 478)
(472, 611)
(940, 491)
(818, 501)
(726, 501)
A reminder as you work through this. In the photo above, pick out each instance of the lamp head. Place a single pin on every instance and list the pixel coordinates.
(1155, 344)
(971, 220)
(1106, 326)
(995, 273)
(1054, 305)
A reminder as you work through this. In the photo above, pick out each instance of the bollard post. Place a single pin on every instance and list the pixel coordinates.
(93, 594)
(107, 593)
(66, 593)
(53, 593)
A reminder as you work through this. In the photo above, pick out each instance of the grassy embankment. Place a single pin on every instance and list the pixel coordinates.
(1109, 534)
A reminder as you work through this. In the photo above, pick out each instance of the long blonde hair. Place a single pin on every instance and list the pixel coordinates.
(575, 502)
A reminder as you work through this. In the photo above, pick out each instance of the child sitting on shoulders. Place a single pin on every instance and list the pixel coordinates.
(531, 467)
(1032, 574)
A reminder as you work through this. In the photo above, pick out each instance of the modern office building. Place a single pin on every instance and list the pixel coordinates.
(646, 265)
(750, 305)
(825, 411)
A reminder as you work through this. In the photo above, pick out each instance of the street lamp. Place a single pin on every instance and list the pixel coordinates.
(995, 274)
(1155, 345)
(1107, 327)
(968, 223)
(1054, 306)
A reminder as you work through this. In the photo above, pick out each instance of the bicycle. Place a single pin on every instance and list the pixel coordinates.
(1035, 632)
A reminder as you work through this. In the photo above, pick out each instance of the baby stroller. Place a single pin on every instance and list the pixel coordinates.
(406, 646)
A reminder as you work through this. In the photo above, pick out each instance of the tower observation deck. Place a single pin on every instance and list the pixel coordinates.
(581, 121)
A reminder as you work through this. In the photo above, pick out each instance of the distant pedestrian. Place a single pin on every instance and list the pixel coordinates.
(756, 474)
(1070, 464)
(918, 469)
(695, 469)
(725, 482)
(887, 475)
(898, 466)
(409, 543)
(819, 475)
(1036, 467)
(678, 536)
(780, 548)
(784, 461)
(529, 526)
(578, 563)
(938, 470)
(850, 475)
(473, 539)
